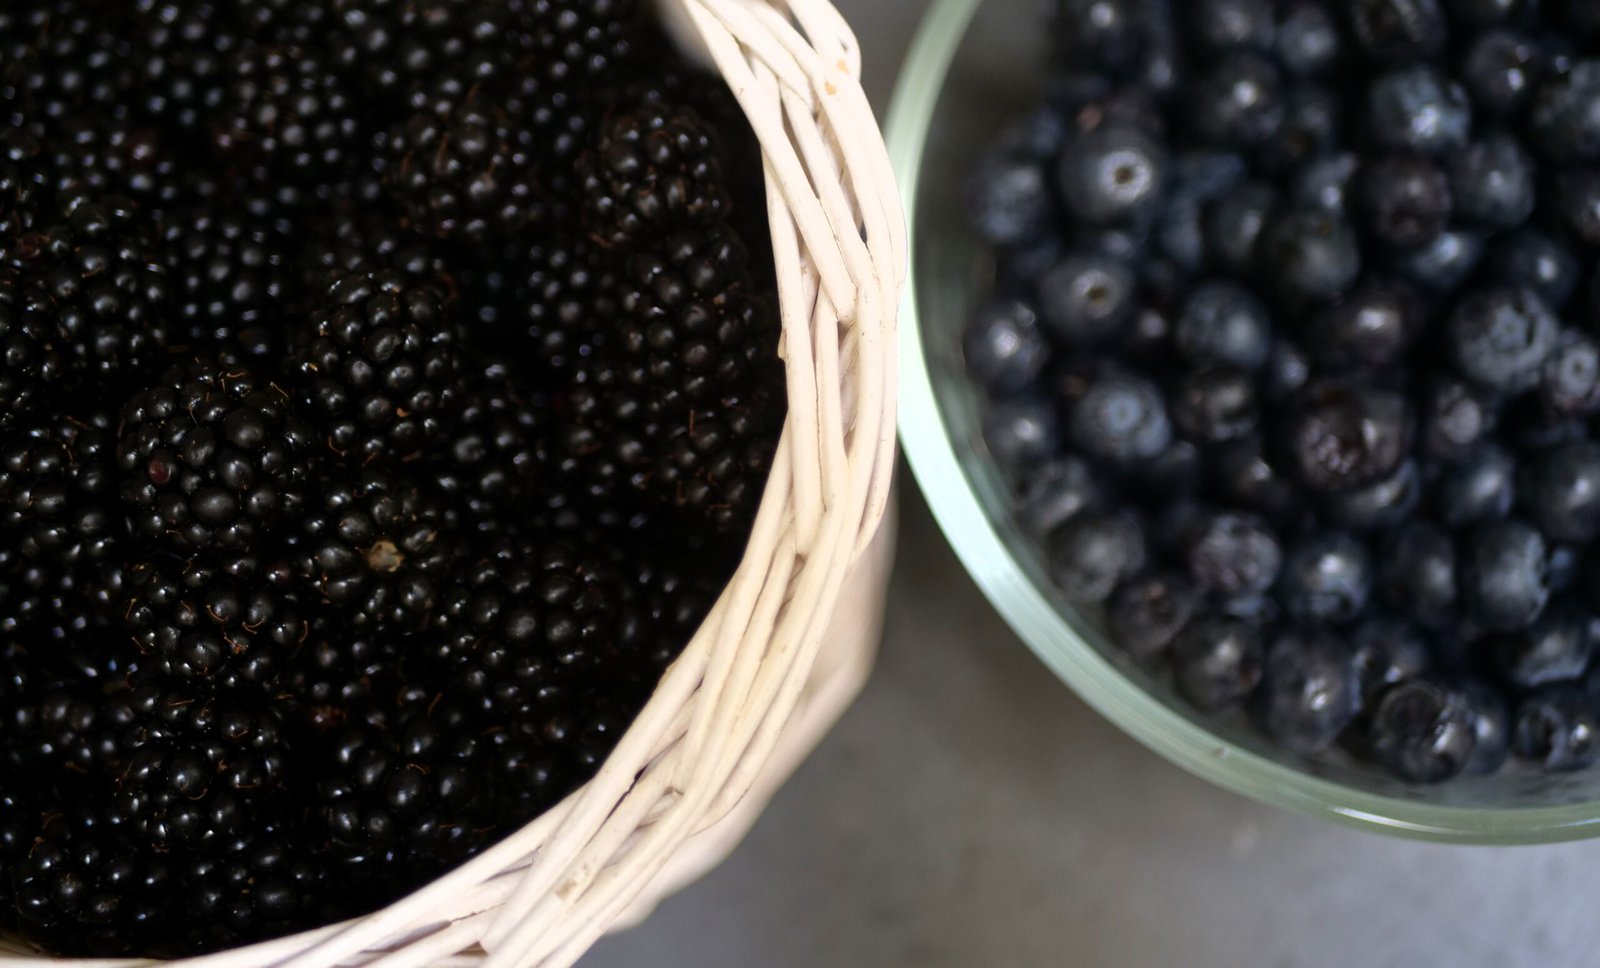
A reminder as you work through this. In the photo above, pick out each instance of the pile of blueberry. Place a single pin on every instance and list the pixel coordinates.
(1294, 361)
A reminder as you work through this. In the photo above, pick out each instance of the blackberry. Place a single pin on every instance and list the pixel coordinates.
(58, 489)
(62, 58)
(378, 549)
(399, 47)
(83, 300)
(378, 370)
(231, 624)
(367, 239)
(572, 43)
(231, 279)
(655, 167)
(498, 454)
(682, 405)
(463, 167)
(211, 457)
(196, 764)
(289, 117)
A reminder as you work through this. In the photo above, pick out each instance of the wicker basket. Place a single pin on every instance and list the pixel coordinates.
(789, 642)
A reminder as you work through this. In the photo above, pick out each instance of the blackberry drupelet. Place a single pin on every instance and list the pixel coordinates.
(290, 118)
(211, 457)
(378, 368)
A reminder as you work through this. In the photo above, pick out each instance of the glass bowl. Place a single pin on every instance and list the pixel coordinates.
(975, 65)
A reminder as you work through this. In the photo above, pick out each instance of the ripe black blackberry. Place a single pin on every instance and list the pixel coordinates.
(233, 623)
(86, 300)
(462, 167)
(211, 456)
(58, 488)
(651, 169)
(496, 457)
(380, 549)
(553, 297)
(289, 117)
(572, 43)
(232, 278)
(197, 764)
(401, 47)
(368, 239)
(400, 785)
(21, 191)
(61, 58)
(378, 371)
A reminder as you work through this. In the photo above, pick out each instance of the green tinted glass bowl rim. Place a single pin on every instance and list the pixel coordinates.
(956, 507)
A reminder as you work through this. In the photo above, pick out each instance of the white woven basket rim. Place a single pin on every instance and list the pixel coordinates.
(547, 892)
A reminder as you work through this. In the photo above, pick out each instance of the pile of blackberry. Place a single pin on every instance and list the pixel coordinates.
(1294, 361)
(388, 388)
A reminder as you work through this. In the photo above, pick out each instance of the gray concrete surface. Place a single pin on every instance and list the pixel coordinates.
(970, 811)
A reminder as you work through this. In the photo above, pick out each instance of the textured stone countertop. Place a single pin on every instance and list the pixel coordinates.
(970, 811)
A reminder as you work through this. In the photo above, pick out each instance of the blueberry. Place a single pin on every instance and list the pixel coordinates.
(1327, 577)
(1536, 260)
(1233, 554)
(1309, 692)
(1379, 505)
(1492, 181)
(1560, 491)
(1556, 728)
(1565, 119)
(1102, 33)
(1480, 486)
(1556, 648)
(1311, 254)
(1235, 223)
(1224, 323)
(1442, 264)
(1454, 418)
(1422, 732)
(1085, 298)
(1148, 334)
(1501, 336)
(1157, 68)
(1486, 13)
(1417, 573)
(1004, 348)
(1307, 41)
(1241, 477)
(1009, 199)
(1310, 128)
(1491, 725)
(1578, 200)
(1224, 26)
(1238, 102)
(1204, 175)
(1124, 244)
(1398, 31)
(1418, 109)
(1112, 174)
(1505, 574)
(1056, 492)
(1021, 432)
(1500, 70)
(1172, 472)
(1287, 372)
(1324, 183)
(1343, 435)
(1180, 233)
(1387, 650)
(1570, 384)
(1094, 552)
(1216, 662)
(1405, 200)
(1372, 327)
(1148, 611)
(1121, 418)
(1215, 403)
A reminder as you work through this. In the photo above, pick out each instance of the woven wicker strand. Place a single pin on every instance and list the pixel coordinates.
(790, 641)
